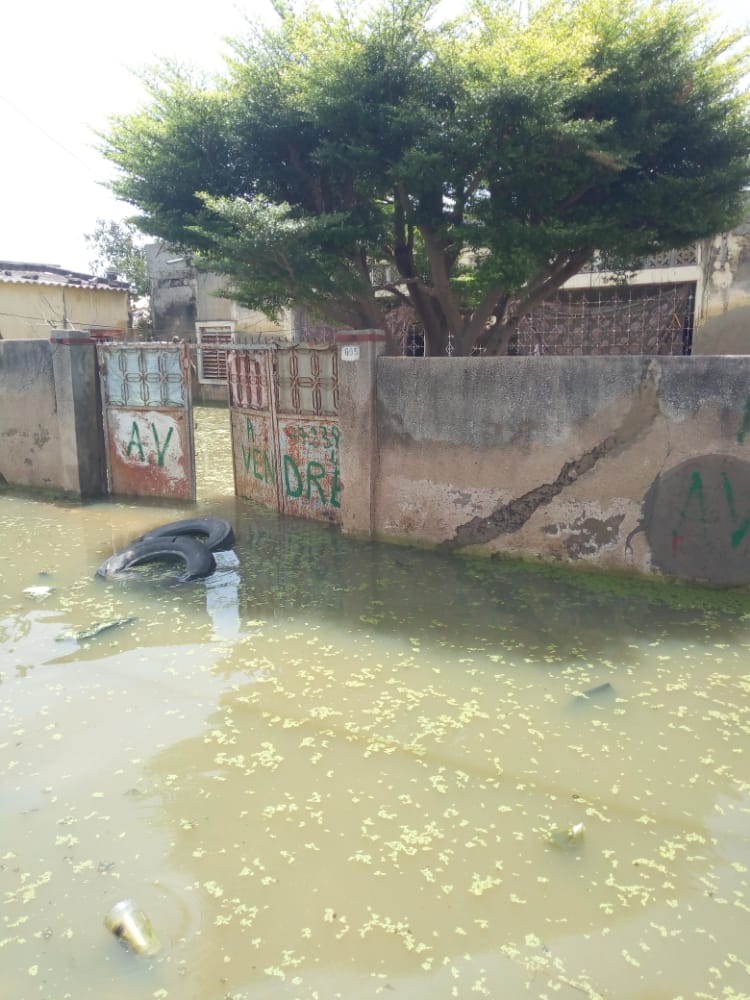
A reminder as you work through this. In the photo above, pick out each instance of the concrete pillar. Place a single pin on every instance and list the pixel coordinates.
(79, 414)
(358, 354)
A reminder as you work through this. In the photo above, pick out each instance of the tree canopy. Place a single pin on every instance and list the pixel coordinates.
(483, 159)
(116, 248)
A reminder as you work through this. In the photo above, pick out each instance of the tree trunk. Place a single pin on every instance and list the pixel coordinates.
(434, 323)
(500, 337)
(462, 345)
(436, 338)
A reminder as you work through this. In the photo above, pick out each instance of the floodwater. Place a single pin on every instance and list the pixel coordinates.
(337, 769)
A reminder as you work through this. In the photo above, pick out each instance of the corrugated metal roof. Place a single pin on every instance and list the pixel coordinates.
(22, 273)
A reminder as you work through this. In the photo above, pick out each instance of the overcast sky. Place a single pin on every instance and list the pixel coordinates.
(65, 65)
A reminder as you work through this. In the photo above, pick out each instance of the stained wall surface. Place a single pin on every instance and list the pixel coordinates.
(30, 310)
(30, 445)
(50, 416)
(723, 326)
(620, 462)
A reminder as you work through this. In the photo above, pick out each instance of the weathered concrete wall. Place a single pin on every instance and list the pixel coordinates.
(248, 322)
(173, 289)
(30, 452)
(50, 419)
(181, 296)
(723, 325)
(621, 462)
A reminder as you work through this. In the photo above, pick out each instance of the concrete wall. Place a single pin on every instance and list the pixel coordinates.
(619, 462)
(181, 296)
(724, 321)
(248, 323)
(30, 310)
(30, 451)
(173, 293)
(50, 418)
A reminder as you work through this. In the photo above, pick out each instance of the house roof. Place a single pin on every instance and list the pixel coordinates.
(24, 273)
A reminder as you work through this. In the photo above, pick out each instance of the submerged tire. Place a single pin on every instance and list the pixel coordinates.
(196, 556)
(215, 533)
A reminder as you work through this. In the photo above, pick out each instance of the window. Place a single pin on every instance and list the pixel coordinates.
(212, 360)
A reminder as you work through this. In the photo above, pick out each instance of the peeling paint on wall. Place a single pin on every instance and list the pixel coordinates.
(587, 535)
(511, 517)
(150, 454)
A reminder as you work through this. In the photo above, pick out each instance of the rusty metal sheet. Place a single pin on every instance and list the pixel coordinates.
(285, 433)
(150, 453)
(249, 378)
(309, 468)
(254, 454)
(307, 380)
(148, 419)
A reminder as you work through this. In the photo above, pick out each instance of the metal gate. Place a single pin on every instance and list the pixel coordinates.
(285, 429)
(148, 420)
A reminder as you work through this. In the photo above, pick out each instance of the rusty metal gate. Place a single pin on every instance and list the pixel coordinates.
(285, 429)
(148, 421)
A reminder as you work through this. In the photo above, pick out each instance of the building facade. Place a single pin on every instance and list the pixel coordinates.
(37, 298)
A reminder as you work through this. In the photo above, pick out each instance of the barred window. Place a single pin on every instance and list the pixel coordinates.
(212, 359)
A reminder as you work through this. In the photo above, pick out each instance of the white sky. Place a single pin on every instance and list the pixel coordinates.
(65, 66)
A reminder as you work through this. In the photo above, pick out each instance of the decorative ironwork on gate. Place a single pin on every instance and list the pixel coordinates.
(142, 375)
(285, 428)
(148, 420)
(307, 379)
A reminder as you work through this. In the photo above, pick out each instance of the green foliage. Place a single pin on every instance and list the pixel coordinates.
(485, 159)
(116, 249)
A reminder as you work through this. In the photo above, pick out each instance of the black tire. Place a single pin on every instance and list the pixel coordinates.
(196, 556)
(215, 533)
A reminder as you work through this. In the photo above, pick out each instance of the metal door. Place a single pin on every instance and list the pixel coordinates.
(148, 420)
(254, 449)
(285, 429)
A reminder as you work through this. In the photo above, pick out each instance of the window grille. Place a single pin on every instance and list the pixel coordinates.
(638, 319)
(212, 359)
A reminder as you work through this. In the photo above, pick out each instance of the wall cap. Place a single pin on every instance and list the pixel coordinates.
(360, 337)
(70, 337)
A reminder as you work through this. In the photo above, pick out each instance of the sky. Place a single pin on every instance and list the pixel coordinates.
(65, 67)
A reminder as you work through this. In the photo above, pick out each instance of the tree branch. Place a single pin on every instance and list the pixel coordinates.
(436, 254)
(546, 282)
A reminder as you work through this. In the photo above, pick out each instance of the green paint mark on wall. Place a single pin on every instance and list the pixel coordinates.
(135, 441)
(695, 492)
(742, 432)
(160, 452)
(311, 483)
(290, 467)
(739, 533)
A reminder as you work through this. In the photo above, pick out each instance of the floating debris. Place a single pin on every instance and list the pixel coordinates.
(94, 630)
(38, 592)
(129, 923)
(568, 836)
(602, 692)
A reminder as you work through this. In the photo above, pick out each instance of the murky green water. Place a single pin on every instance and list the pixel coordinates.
(335, 769)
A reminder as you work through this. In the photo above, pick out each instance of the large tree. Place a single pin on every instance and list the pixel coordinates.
(116, 247)
(484, 160)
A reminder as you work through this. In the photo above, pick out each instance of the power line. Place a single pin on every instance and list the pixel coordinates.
(47, 135)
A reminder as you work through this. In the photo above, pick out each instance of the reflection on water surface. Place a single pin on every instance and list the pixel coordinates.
(346, 770)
